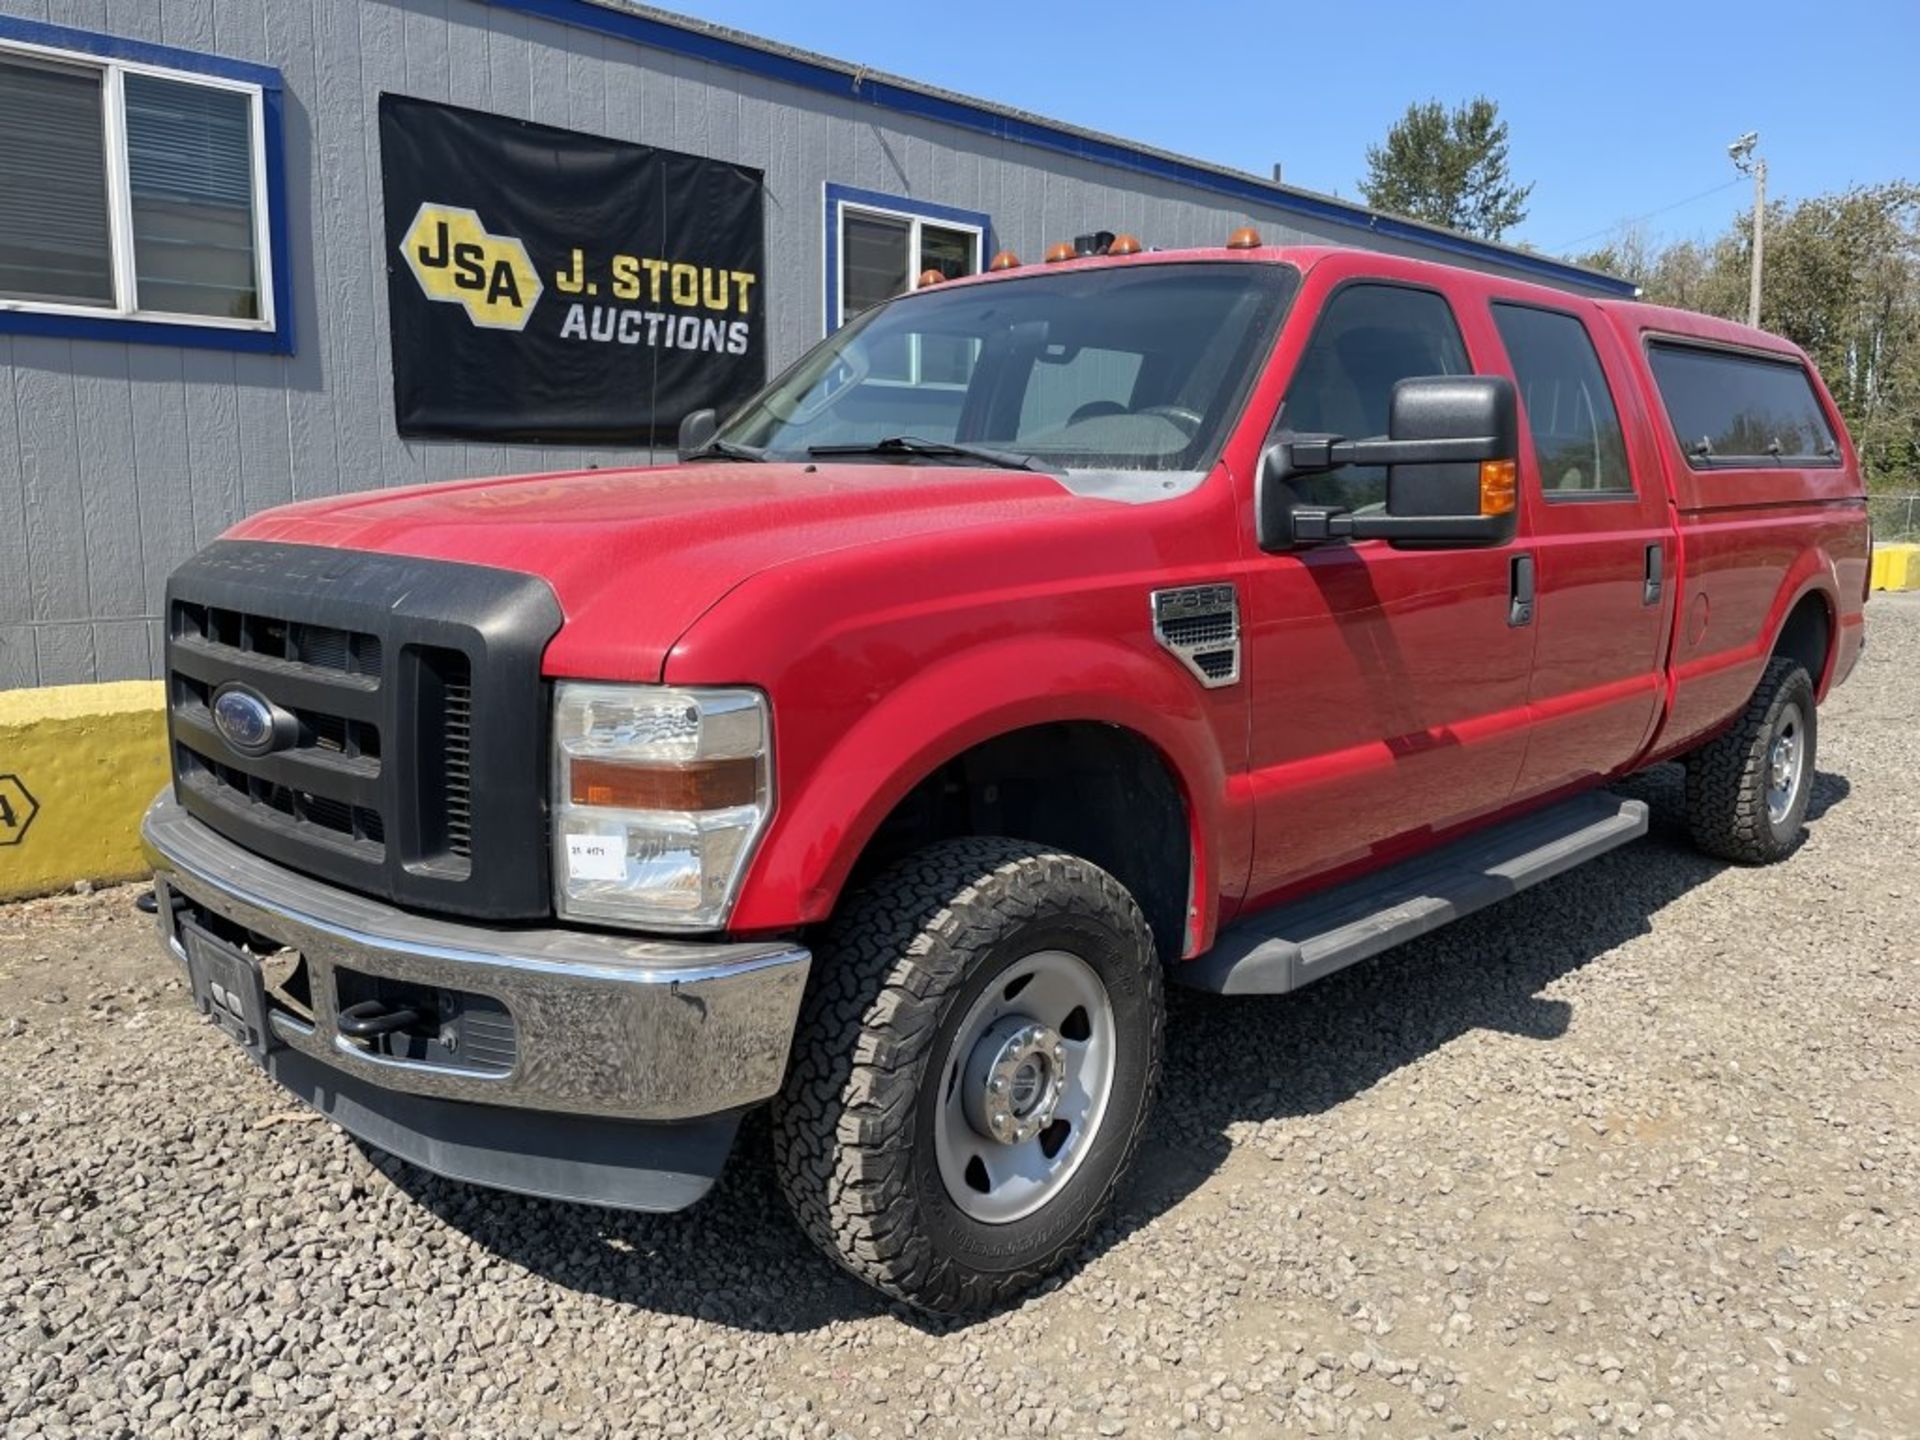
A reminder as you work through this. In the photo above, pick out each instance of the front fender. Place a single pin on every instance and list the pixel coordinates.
(845, 784)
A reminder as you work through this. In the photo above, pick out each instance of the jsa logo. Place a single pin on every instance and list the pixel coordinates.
(456, 260)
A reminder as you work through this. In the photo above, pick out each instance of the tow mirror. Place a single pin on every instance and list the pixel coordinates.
(697, 428)
(1450, 453)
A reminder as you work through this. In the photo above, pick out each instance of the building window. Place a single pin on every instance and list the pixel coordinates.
(878, 246)
(134, 192)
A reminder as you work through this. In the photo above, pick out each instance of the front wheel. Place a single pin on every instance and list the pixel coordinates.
(1747, 791)
(972, 1071)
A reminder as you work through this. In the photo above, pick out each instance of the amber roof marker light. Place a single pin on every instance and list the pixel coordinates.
(1005, 260)
(1057, 253)
(928, 277)
(1124, 245)
(1245, 238)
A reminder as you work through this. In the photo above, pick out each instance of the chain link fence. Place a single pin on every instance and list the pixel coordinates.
(1895, 517)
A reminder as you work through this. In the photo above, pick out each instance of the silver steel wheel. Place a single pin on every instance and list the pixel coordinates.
(1025, 1087)
(1786, 764)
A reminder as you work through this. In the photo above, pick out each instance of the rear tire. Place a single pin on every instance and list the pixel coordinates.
(1747, 791)
(943, 1133)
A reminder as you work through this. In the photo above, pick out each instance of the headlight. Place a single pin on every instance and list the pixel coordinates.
(658, 797)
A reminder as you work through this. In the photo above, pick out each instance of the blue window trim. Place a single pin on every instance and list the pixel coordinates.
(277, 341)
(850, 84)
(839, 195)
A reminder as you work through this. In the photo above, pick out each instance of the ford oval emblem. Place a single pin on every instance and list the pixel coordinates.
(245, 720)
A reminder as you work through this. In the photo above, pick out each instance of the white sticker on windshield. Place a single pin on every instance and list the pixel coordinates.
(596, 857)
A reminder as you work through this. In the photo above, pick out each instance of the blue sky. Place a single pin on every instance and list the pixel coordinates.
(1617, 110)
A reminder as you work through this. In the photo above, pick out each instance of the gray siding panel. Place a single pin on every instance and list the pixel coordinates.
(116, 461)
(213, 442)
(65, 653)
(120, 650)
(135, 19)
(187, 23)
(16, 587)
(109, 502)
(162, 470)
(82, 14)
(50, 476)
(19, 667)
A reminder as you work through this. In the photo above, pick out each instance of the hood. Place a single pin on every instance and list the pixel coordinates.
(636, 556)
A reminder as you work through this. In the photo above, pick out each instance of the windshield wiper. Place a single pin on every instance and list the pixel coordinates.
(725, 450)
(914, 445)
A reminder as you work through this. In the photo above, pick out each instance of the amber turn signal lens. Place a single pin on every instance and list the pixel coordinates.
(1005, 260)
(1057, 253)
(1124, 245)
(701, 785)
(1499, 485)
(1245, 238)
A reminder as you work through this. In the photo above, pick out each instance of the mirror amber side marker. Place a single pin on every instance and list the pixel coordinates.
(1499, 486)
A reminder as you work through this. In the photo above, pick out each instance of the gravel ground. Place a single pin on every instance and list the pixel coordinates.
(1635, 1153)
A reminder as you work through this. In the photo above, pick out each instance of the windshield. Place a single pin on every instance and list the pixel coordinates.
(1128, 368)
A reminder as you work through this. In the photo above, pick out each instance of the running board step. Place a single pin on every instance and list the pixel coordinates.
(1285, 948)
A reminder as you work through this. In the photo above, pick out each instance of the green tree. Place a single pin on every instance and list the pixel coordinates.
(1448, 168)
(1842, 281)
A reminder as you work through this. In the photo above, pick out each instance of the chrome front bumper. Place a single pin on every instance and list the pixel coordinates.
(609, 1026)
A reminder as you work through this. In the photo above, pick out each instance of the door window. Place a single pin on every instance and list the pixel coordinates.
(1577, 442)
(1370, 337)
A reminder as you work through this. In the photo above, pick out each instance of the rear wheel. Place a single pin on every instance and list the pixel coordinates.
(1747, 791)
(972, 1071)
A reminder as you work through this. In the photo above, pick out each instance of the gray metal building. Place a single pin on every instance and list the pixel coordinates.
(176, 355)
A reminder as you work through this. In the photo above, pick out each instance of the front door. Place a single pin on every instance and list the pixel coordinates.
(1387, 687)
(1595, 511)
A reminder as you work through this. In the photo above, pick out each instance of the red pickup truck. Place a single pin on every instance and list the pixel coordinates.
(1221, 616)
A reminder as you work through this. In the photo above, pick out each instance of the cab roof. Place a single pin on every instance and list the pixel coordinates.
(1632, 318)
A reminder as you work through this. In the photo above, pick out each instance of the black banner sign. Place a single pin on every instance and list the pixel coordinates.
(545, 285)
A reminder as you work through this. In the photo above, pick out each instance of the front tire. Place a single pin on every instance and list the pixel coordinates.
(1747, 791)
(972, 1071)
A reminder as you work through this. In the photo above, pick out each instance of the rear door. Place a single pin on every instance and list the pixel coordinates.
(1598, 525)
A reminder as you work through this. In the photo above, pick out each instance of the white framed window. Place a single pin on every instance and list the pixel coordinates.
(131, 191)
(878, 246)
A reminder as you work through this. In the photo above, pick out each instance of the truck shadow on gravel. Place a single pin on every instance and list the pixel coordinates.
(1251, 1059)
(737, 1258)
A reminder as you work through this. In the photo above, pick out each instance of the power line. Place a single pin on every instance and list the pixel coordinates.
(1619, 225)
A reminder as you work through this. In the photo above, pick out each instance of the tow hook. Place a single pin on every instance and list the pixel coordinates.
(371, 1019)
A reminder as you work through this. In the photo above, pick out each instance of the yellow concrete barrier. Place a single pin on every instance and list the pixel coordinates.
(1896, 567)
(78, 766)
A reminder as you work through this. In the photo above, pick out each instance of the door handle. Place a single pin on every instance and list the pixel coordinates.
(1520, 594)
(1656, 572)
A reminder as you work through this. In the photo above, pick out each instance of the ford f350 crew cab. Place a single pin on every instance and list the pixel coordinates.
(1222, 617)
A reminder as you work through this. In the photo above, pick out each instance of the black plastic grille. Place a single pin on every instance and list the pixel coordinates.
(326, 786)
(1199, 629)
(322, 646)
(1214, 664)
(456, 708)
(410, 755)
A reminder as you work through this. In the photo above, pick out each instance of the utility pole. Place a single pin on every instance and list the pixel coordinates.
(1741, 152)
